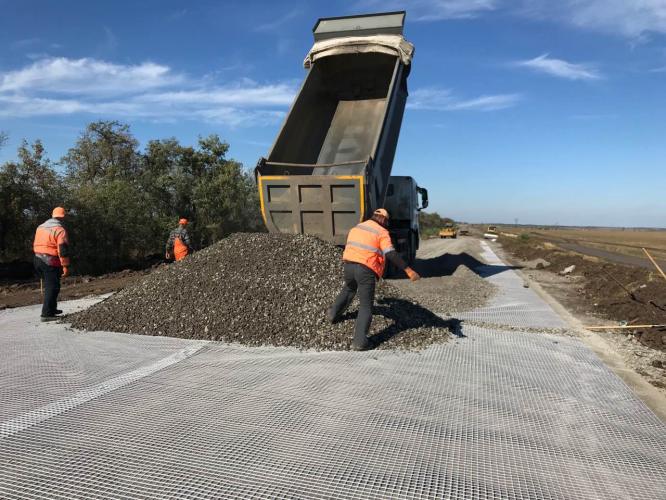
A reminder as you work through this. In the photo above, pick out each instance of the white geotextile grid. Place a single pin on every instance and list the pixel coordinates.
(40, 363)
(513, 304)
(490, 415)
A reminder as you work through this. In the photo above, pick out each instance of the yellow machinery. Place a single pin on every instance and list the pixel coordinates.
(448, 231)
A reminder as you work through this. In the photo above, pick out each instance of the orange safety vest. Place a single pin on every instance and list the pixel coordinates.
(367, 244)
(180, 250)
(50, 240)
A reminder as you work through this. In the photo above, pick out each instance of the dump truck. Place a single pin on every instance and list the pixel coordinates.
(330, 165)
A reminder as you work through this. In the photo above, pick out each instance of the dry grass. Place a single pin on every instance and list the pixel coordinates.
(623, 241)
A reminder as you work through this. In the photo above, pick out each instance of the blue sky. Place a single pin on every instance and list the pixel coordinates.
(548, 112)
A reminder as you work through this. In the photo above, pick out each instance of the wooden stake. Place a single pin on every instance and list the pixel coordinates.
(655, 263)
(625, 327)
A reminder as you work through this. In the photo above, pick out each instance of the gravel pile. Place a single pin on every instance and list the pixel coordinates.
(259, 289)
(461, 291)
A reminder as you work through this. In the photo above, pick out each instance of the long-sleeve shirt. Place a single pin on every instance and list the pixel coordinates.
(179, 244)
(51, 243)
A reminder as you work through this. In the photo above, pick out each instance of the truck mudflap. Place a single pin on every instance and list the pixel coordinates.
(323, 205)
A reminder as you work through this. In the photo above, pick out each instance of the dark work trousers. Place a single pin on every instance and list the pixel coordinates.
(358, 279)
(50, 275)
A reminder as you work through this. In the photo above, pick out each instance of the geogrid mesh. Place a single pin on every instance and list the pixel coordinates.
(43, 362)
(491, 415)
(513, 305)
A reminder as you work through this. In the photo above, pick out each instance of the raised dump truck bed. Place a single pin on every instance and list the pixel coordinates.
(330, 164)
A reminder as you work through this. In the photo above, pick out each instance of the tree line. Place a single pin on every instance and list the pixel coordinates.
(122, 201)
(431, 223)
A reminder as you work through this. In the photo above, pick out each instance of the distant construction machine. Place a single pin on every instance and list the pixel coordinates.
(330, 165)
(449, 231)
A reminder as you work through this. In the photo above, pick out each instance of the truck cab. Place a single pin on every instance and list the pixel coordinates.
(403, 205)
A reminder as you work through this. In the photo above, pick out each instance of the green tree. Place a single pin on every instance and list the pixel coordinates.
(168, 179)
(122, 202)
(213, 192)
(431, 223)
(224, 198)
(29, 189)
(106, 150)
(110, 213)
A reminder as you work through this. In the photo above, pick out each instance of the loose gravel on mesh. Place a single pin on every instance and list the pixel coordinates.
(260, 289)
(461, 291)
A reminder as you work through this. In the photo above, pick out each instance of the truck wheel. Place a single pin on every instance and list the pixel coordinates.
(412, 247)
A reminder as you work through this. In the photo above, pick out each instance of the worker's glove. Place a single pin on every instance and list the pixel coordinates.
(65, 271)
(413, 275)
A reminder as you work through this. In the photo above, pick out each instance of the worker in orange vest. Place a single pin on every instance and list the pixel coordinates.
(178, 245)
(368, 247)
(51, 248)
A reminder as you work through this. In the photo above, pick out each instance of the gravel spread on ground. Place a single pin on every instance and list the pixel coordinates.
(260, 289)
(461, 291)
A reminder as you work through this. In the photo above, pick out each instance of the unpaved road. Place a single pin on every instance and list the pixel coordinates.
(449, 283)
(586, 248)
(74, 287)
(628, 260)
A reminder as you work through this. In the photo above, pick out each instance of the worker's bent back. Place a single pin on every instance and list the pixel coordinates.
(367, 244)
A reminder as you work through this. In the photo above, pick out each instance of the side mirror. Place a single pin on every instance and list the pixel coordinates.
(424, 197)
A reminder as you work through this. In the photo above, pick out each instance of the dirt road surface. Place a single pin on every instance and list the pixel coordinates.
(633, 257)
(26, 293)
(619, 258)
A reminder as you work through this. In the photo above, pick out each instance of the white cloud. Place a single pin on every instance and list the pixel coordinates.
(432, 10)
(61, 86)
(246, 93)
(278, 23)
(87, 76)
(631, 18)
(560, 68)
(437, 99)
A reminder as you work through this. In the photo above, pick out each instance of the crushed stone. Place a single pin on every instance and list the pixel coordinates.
(260, 289)
(461, 291)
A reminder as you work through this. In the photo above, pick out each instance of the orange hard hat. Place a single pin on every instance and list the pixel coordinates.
(381, 211)
(183, 221)
(58, 212)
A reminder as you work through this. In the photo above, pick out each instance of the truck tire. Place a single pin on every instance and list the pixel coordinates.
(412, 247)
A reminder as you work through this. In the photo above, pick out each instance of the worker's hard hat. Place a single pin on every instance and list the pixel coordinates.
(183, 222)
(381, 211)
(58, 212)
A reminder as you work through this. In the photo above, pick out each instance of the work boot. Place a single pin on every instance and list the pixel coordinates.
(330, 315)
(49, 318)
(57, 311)
(363, 345)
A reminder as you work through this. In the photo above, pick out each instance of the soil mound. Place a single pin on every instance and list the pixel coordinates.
(259, 289)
